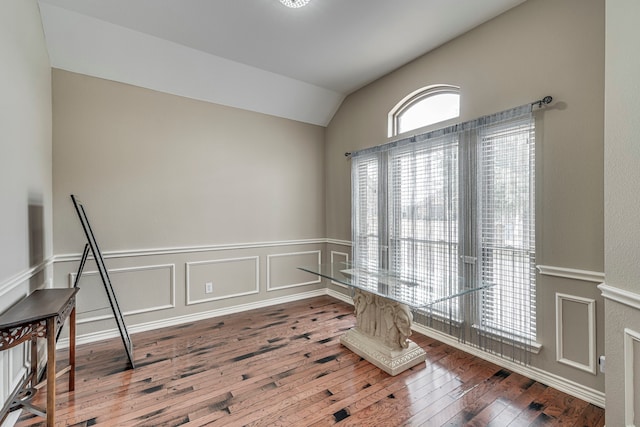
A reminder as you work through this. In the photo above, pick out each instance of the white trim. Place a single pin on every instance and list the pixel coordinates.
(562, 384)
(414, 97)
(620, 295)
(339, 242)
(179, 320)
(17, 379)
(340, 296)
(12, 384)
(172, 284)
(591, 313)
(5, 388)
(18, 279)
(531, 346)
(346, 256)
(191, 249)
(12, 418)
(571, 273)
(629, 395)
(293, 285)
(570, 387)
(188, 265)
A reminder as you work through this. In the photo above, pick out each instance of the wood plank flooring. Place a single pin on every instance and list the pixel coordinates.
(284, 366)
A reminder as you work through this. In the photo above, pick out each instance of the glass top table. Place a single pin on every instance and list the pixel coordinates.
(415, 294)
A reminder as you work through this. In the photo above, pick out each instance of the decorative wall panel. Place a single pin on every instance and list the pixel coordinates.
(282, 269)
(631, 376)
(576, 332)
(226, 278)
(339, 257)
(147, 288)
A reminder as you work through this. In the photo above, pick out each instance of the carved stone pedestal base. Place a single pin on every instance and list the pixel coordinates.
(392, 361)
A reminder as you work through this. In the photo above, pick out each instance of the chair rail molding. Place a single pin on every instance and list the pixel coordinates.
(571, 273)
(20, 278)
(191, 249)
(339, 242)
(622, 296)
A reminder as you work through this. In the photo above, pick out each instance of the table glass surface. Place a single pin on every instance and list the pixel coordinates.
(415, 294)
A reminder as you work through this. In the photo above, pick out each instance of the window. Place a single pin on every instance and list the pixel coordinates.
(423, 216)
(452, 210)
(425, 107)
(506, 220)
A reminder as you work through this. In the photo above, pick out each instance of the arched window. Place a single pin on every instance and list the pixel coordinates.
(424, 107)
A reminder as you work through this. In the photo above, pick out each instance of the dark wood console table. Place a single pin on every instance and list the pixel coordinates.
(41, 315)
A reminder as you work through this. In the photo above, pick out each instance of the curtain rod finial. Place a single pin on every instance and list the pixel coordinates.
(546, 100)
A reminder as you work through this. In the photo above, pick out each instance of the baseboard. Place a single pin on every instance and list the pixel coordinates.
(567, 386)
(340, 296)
(559, 383)
(179, 320)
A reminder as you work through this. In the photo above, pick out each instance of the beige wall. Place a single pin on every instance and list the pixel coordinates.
(543, 47)
(622, 207)
(156, 170)
(25, 165)
(180, 193)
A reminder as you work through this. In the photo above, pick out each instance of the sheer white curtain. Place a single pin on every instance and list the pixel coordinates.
(452, 210)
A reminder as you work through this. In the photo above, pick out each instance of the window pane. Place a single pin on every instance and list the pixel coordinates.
(423, 186)
(429, 110)
(506, 177)
(365, 220)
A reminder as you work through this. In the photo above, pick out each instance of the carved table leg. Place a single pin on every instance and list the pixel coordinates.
(382, 332)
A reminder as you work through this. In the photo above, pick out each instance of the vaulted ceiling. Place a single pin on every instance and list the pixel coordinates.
(254, 54)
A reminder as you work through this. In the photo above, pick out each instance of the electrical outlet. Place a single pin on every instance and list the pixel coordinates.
(208, 287)
(602, 364)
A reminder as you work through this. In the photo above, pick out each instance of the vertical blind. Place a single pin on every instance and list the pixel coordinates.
(454, 209)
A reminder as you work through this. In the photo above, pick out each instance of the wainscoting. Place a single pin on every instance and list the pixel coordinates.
(164, 287)
(14, 362)
(284, 365)
(570, 338)
(170, 286)
(623, 356)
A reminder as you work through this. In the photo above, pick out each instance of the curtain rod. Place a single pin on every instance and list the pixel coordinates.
(540, 103)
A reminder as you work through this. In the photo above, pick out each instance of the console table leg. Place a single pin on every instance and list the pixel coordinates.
(72, 349)
(51, 371)
(34, 362)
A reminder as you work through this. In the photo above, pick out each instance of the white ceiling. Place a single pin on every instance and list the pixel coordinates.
(254, 54)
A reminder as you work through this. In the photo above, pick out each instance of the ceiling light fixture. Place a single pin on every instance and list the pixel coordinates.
(294, 3)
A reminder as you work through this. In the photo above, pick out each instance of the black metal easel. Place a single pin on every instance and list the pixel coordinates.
(104, 275)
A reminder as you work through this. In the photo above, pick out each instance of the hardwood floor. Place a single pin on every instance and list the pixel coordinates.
(284, 366)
